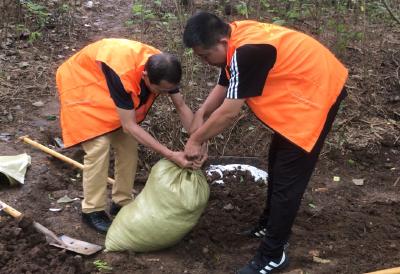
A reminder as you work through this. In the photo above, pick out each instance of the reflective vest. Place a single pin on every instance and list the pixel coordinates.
(86, 107)
(301, 87)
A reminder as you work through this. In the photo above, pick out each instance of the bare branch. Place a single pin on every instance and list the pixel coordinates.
(391, 12)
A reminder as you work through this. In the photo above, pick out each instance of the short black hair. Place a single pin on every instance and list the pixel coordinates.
(163, 66)
(204, 29)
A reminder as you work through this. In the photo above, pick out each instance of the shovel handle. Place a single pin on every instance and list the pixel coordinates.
(64, 158)
(10, 210)
(395, 270)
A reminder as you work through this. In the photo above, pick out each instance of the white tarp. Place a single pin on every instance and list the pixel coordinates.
(257, 173)
(14, 167)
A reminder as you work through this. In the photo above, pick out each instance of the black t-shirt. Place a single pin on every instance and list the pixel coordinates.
(121, 98)
(249, 68)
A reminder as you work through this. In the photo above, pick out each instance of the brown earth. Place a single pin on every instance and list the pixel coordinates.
(356, 228)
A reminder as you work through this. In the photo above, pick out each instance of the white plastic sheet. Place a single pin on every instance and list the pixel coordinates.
(14, 167)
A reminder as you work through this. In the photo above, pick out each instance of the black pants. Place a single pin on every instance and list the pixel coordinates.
(289, 171)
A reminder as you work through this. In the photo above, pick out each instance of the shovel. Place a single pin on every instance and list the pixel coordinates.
(63, 241)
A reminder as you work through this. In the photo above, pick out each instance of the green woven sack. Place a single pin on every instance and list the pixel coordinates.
(168, 207)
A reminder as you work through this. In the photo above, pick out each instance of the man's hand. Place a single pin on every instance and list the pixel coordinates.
(192, 149)
(198, 163)
(179, 158)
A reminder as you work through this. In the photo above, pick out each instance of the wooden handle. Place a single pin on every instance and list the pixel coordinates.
(64, 158)
(395, 270)
(11, 211)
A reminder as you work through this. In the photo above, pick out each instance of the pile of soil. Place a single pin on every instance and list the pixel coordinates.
(24, 250)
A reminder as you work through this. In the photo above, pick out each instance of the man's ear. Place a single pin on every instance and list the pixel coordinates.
(224, 40)
(144, 74)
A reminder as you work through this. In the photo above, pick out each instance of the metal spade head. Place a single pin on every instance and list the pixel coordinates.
(67, 242)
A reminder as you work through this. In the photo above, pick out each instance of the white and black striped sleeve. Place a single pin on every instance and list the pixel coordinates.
(249, 70)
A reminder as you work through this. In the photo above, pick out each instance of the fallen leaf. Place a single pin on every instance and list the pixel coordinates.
(295, 271)
(314, 253)
(66, 199)
(320, 260)
(153, 260)
(321, 189)
(51, 117)
(312, 205)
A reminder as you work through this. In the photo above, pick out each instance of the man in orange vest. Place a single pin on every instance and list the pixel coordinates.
(294, 85)
(105, 91)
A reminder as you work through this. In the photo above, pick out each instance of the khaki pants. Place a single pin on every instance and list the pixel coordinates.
(95, 171)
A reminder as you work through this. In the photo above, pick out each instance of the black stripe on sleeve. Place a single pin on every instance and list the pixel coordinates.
(121, 98)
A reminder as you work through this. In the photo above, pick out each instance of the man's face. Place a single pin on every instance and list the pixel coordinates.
(214, 56)
(164, 87)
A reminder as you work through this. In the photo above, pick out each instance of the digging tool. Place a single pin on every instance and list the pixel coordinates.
(64, 158)
(63, 241)
(395, 270)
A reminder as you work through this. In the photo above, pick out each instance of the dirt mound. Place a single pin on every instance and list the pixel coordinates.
(24, 250)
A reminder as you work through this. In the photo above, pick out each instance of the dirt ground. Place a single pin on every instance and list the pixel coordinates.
(352, 228)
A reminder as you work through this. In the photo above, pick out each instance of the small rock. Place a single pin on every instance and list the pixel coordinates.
(89, 4)
(4, 136)
(23, 65)
(358, 182)
(78, 257)
(38, 104)
(229, 207)
(10, 118)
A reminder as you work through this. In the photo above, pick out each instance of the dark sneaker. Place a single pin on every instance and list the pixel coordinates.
(263, 265)
(114, 209)
(98, 220)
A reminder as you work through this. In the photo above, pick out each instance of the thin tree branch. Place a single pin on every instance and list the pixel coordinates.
(391, 12)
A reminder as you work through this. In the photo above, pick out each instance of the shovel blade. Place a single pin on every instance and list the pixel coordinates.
(77, 246)
(66, 242)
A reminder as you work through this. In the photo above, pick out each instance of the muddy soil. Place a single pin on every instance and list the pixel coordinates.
(352, 228)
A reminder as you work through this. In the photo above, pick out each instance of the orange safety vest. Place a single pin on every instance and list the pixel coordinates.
(301, 87)
(86, 107)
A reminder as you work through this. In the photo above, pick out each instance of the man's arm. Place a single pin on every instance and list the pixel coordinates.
(213, 101)
(129, 126)
(220, 119)
(185, 113)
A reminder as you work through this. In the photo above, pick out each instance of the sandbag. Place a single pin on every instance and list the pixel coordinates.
(168, 207)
